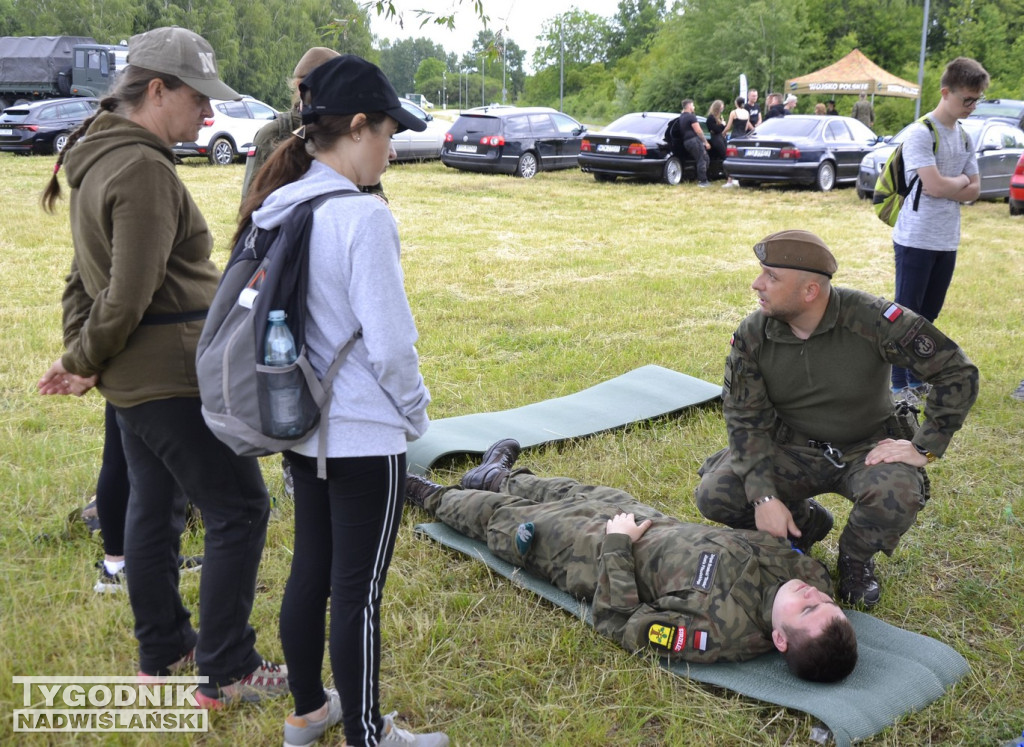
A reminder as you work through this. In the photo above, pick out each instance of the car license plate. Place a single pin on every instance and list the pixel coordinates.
(607, 148)
(6, 132)
(465, 148)
(759, 152)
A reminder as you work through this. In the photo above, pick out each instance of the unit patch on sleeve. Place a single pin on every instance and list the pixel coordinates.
(669, 637)
(924, 346)
(706, 567)
(892, 313)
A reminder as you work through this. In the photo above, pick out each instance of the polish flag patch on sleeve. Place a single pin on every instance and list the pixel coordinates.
(892, 313)
(700, 640)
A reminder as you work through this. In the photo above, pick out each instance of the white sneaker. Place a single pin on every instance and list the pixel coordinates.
(729, 184)
(392, 735)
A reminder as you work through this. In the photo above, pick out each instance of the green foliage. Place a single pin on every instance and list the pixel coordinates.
(577, 36)
(401, 60)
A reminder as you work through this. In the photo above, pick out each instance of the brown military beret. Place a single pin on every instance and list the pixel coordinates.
(796, 250)
(314, 58)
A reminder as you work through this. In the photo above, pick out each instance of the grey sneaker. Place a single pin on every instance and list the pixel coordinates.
(392, 735)
(1018, 393)
(300, 731)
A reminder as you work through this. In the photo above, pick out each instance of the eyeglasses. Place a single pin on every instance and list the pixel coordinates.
(970, 100)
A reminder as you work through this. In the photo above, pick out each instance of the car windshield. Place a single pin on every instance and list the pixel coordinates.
(1012, 109)
(474, 125)
(637, 124)
(787, 127)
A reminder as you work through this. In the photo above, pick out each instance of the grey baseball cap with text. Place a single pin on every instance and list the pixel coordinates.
(185, 54)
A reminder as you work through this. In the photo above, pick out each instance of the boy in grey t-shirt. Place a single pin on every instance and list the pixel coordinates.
(926, 239)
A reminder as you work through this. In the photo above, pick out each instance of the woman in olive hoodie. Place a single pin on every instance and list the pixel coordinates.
(140, 284)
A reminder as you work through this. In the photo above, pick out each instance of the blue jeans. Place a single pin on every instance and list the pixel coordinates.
(172, 458)
(922, 279)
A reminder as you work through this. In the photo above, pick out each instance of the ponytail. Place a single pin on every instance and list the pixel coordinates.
(129, 93)
(52, 192)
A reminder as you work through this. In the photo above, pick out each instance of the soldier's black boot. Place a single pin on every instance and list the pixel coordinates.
(857, 582)
(496, 465)
(418, 489)
(817, 527)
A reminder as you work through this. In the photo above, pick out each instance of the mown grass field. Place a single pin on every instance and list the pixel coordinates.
(525, 290)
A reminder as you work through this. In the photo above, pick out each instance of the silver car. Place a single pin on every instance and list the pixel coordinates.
(420, 146)
(998, 144)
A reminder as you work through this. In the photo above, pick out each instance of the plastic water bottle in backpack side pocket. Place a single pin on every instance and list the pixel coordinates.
(283, 390)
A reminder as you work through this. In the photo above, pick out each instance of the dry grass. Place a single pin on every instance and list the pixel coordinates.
(525, 290)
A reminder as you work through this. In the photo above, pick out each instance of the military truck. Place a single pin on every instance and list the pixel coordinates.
(46, 67)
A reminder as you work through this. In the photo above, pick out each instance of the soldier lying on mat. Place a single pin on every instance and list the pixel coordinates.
(687, 591)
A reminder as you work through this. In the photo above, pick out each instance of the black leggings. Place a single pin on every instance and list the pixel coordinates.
(345, 531)
(112, 486)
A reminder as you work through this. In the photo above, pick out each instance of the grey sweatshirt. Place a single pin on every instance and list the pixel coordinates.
(355, 282)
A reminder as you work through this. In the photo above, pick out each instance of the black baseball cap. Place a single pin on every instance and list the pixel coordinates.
(350, 85)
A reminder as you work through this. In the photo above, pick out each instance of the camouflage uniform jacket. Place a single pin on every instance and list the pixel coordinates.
(834, 386)
(687, 591)
(695, 593)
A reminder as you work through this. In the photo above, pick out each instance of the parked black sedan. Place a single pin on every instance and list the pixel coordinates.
(802, 149)
(43, 126)
(634, 145)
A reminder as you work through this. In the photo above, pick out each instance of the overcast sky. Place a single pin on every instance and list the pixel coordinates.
(522, 18)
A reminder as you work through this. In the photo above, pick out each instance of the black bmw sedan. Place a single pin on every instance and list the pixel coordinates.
(634, 145)
(805, 149)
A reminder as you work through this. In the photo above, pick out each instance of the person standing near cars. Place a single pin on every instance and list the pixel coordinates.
(927, 231)
(687, 132)
(346, 520)
(863, 111)
(753, 108)
(140, 285)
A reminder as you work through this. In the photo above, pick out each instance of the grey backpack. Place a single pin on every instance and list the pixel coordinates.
(268, 270)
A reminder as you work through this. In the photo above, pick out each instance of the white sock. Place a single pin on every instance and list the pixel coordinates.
(113, 566)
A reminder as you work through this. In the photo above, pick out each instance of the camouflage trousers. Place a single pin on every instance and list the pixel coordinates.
(886, 497)
(562, 511)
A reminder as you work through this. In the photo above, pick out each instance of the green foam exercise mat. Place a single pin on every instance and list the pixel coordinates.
(641, 394)
(897, 671)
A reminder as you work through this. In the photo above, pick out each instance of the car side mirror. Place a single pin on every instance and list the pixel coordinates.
(428, 118)
(580, 130)
(991, 146)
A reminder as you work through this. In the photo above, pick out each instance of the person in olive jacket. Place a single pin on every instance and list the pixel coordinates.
(685, 591)
(808, 410)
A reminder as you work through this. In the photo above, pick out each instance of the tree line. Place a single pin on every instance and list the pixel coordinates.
(648, 56)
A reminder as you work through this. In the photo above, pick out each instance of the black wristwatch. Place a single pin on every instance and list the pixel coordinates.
(925, 453)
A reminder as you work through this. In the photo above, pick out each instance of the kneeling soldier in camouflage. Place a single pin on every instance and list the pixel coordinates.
(809, 410)
(686, 591)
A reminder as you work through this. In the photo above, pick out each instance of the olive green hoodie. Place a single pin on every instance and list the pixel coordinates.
(142, 259)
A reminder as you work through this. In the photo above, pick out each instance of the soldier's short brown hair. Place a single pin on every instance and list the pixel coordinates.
(828, 657)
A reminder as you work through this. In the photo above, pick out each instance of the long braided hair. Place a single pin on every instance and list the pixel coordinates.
(128, 95)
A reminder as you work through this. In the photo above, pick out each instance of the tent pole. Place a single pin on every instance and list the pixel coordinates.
(920, 64)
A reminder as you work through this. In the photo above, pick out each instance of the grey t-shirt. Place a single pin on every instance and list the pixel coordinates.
(935, 224)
